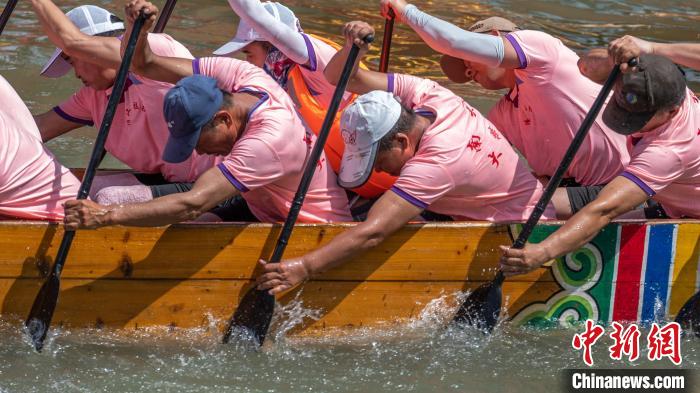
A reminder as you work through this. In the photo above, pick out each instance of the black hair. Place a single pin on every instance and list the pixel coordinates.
(403, 124)
(227, 103)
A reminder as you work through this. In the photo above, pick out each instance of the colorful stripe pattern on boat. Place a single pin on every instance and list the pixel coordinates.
(642, 272)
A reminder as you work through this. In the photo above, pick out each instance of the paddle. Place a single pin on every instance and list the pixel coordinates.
(160, 26)
(386, 42)
(689, 315)
(42, 311)
(5, 16)
(164, 16)
(482, 307)
(254, 312)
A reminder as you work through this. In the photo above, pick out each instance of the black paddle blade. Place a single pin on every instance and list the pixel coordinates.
(39, 320)
(252, 317)
(689, 315)
(482, 307)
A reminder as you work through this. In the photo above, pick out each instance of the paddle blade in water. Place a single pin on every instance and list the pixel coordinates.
(481, 308)
(252, 317)
(689, 315)
(39, 319)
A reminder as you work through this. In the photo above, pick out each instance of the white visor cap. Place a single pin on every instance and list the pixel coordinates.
(363, 124)
(91, 20)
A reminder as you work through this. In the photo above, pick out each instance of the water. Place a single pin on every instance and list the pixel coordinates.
(417, 357)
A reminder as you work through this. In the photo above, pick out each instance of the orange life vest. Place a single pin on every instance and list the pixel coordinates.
(313, 114)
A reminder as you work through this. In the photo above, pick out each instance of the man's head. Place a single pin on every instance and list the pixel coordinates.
(647, 97)
(94, 21)
(462, 71)
(379, 133)
(252, 43)
(198, 117)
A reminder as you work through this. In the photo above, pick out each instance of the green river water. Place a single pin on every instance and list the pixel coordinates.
(419, 357)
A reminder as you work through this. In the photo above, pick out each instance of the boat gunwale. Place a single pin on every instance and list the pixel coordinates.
(430, 224)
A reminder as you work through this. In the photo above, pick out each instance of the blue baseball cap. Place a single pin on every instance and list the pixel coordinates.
(188, 106)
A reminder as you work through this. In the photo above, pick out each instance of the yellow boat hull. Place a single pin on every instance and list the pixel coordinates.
(193, 275)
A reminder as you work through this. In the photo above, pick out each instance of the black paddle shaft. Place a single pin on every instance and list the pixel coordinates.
(565, 162)
(316, 153)
(164, 16)
(160, 26)
(9, 7)
(255, 309)
(481, 309)
(44, 305)
(386, 41)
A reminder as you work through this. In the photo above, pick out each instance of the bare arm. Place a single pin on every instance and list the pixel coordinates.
(145, 62)
(51, 125)
(625, 48)
(387, 215)
(361, 81)
(209, 190)
(102, 51)
(619, 197)
(684, 53)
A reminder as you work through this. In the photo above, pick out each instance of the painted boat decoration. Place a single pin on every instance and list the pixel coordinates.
(193, 275)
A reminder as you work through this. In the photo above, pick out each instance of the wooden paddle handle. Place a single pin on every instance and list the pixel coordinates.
(386, 41)
(164, 16)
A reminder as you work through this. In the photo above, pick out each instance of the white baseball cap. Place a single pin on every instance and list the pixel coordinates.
(91, 20)
(245, 34)
(363, 124)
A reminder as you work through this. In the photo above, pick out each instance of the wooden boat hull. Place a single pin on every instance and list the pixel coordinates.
(194, 275)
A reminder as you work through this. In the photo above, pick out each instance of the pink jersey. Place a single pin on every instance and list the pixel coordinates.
(541, 115)
(138, 133)
(464, 167)
(665, 162)
(33, 184)
(267, 161)
(320, 53)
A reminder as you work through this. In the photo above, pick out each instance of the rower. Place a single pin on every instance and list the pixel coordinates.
(230, 108)
(596, 63)
(547, 101)
(33, 184)
(88, 39)
(447, 156)
(660, 116)
(270, 36)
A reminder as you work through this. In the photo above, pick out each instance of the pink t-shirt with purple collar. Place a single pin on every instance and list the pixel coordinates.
(139, 132)
(320, 53)
(541, 115)
(665, 162)
(267, 161)
(33, 184)
(463, 167)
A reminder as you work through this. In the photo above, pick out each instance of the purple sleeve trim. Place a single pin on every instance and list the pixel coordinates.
(195, 66)
(262, 99)
(68, 117)
(232, 178)
(390, 83)
(313, 62)
(409, 198)
(424, 112)
(519, 50)
(638, 182)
